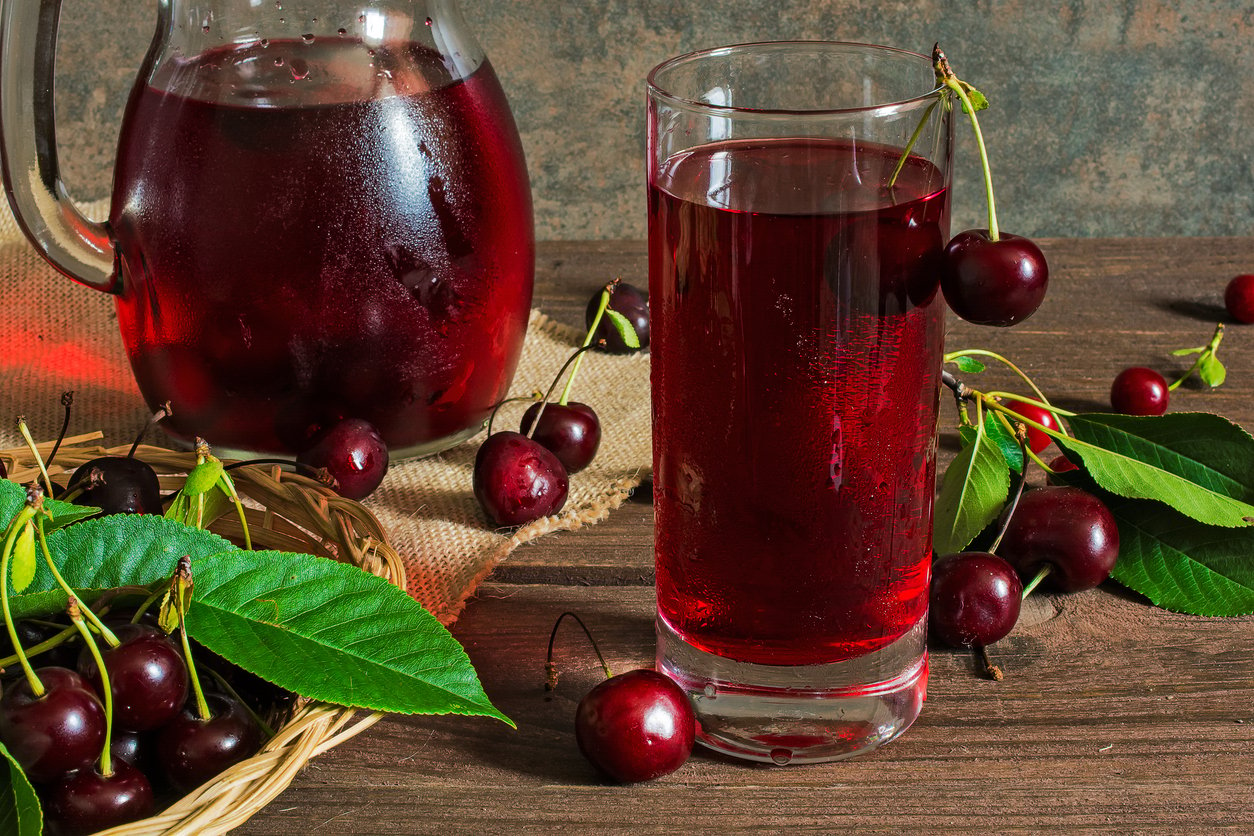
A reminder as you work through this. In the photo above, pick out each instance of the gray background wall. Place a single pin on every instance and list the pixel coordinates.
(1108, 118)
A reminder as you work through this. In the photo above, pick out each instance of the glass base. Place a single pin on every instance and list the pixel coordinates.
(804, 713)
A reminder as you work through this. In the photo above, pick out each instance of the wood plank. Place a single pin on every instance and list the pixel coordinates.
(1112, 715)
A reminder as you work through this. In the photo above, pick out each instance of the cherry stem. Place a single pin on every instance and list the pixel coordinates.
(550, 669)
(1041, 574)
(67, 401)
(990, 670)
(1208, 350)
(23, 518)
(228, 485)
(164, 412)
(587, 341)
(579, 352)
(30, 443)
(980, 352)
(202, 706)
(941, 65)
(1022, 438)
(534, 396)
(76, 616)
(104, 631)
(914, 137)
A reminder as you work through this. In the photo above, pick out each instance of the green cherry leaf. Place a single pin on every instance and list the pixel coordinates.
(624, 328)
(1005, 441)
(1200, 464)
(20, 813)
(1180, 564)
(1212, 371)
(203, 477)
(978, 100)
(108, 552)
(331, 632)
(973, 491)
(22, 564)
(969, 365)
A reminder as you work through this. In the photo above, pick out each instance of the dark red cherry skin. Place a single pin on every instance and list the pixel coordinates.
(1065, 527)
(354, 453)
(1037, 440)
(1239, 298)
(632, 303)
(974, 599)
(636, 726)
(85, 801)
(117, 485)
(56, 733)
(517, 480)
(1139, 391)
(190, 751)
(146, 673)
(571, 431)
(989, 282)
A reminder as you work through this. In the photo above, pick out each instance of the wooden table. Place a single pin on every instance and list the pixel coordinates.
(1113, 715)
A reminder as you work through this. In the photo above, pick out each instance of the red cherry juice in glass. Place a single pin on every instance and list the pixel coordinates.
(796, 360)
(317, 231)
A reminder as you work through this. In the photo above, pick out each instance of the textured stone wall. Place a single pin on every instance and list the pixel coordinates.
(1108, 118)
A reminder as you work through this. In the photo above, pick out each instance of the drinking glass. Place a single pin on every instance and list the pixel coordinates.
(798, 208)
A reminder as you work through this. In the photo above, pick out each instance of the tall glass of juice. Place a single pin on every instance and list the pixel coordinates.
(798, 208)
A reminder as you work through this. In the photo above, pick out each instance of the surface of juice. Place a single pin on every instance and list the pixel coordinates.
(796, 342)
(313, 230)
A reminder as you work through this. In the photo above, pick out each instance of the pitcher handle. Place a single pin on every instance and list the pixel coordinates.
(78, 247)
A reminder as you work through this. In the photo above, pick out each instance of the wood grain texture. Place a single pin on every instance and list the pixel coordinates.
(1114, 715)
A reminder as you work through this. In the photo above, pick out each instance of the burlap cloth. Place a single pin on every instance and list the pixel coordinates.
(57, 336)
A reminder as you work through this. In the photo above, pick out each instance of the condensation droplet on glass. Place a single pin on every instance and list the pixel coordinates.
(265, 42)
(300, 70)
(278, 62)
(278, 4)
(370, 52)
(282, 20)
(429, 21)
(205, 29)
(709, 691)
(341, 31)
(361, 18)
(307, 37)
(781, 756)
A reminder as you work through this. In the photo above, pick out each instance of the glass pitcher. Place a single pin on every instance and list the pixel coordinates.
(320, 211)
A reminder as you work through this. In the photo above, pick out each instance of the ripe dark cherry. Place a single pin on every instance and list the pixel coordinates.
(1139, 391)
(147, 674)
(354, 453)
(572, 432)
(131, 746)
(517, 480)
(64, 655)
(86, 801)
(989, 282)
(1065, 527)
(631, 303)
(56, 733)
(117, 485)
(974, 599)
(636, 726)
(190, 751)
(1239, 298)
(1037, 440)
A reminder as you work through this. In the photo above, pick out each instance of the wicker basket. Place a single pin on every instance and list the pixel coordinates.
(287, 512)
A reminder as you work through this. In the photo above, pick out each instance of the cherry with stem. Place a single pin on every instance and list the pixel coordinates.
(989, 277)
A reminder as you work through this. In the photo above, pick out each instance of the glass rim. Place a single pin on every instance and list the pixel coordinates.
(657, 91)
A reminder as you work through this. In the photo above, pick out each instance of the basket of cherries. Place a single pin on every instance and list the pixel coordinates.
(164, 647)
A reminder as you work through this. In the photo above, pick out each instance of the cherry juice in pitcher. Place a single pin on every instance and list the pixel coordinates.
(796, 342)
(313, 230)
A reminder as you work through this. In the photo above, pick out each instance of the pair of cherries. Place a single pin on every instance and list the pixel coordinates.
(523, 476)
